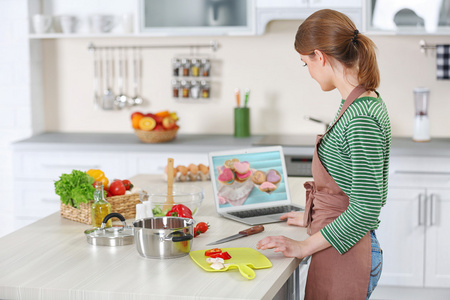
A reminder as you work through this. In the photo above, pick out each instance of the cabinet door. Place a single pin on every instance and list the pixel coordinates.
(437, 271)
(401, 235)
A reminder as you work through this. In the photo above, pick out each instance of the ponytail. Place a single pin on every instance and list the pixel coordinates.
(336, 35)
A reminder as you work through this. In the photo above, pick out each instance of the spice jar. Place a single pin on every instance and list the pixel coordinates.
(206, 67)
(195, 89)
(185, 86)
(195, 67)
(176, 67)
(205, 89)
(175, 88)
(185, 66)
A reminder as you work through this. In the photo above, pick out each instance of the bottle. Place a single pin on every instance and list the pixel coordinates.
(100, 208)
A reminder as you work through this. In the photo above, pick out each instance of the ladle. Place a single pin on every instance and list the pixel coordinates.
(137, 72)
(108, 96)
(121, 99)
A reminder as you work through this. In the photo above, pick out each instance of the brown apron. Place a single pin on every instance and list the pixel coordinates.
(332, 275)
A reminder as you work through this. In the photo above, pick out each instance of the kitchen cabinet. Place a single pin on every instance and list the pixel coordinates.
(36, 171)
(408, 17)
(267, 10)
(414, 226)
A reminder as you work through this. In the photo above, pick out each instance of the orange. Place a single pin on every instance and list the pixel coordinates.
(135, 121)
(162, 114)
(147, 123)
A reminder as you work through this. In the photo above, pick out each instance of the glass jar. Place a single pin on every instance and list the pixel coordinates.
(195, 67)
(185, 66)
(195, 89)
(175, 88)
(176, 67)
(205, 67)
(185, 87)
(100, 208)
(204, 87)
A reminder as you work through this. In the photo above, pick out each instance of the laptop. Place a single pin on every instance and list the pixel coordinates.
(250, 185)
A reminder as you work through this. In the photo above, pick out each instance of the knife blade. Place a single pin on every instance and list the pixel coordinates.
(243, 233)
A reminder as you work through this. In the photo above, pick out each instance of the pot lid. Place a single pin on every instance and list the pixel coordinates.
(112, 236)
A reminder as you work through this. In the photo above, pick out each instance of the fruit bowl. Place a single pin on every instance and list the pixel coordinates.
(186, 194)
(156, 136)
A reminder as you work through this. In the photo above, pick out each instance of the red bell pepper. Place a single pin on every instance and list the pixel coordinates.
(213, 251)
(224, 255)
(180, 210)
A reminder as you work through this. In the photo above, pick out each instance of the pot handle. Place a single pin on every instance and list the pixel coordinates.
(186, 237)
(113, 215)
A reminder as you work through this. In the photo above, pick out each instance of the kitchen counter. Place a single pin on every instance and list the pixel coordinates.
(50, 259)
(204, 143)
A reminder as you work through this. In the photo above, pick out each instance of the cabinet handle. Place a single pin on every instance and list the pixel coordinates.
(432, 209)
(421, 211)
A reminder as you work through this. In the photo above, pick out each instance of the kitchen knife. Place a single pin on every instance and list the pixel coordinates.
(243, 233)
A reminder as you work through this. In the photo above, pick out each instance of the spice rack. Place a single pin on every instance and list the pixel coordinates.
(191, 78)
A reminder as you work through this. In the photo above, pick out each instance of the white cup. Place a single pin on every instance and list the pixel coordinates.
(41, 23)
(68, 23)
(127, 23)
(102, 23)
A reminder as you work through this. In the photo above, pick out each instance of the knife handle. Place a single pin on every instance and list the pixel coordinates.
(252, 230)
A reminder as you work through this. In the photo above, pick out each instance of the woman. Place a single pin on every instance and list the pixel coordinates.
(350, 164)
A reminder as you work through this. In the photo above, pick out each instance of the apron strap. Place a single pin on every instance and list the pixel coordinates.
(354, 94)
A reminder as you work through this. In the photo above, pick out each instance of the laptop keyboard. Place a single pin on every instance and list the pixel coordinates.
(264, 211)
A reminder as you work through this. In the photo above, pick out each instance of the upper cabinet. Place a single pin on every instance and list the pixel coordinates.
(268, 10)
(198, 17)
(408, 16)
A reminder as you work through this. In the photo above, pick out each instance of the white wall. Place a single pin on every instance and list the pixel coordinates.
(282, 92)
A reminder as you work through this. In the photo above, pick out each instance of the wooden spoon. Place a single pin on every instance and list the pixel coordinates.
(169, 200)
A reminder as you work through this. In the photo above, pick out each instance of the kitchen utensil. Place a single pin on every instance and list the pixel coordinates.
(244, 259)
(241, 234)
(41, 23)
(121, 100)
(108, 95)
(112, 236)
(97, 68)
(68, 23)
(137, 73)
(163, 237)
(169, 202)
(102, 23)
(189, 195)
(421, 121)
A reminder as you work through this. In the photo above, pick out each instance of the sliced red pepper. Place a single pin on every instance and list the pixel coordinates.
(224, 255)
(211, 252)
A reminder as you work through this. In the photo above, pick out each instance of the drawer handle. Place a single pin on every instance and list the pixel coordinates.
(79, 167)
(421, 212)
(432, 209)
(422, 173)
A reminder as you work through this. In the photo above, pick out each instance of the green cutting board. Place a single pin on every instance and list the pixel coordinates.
(244, 259)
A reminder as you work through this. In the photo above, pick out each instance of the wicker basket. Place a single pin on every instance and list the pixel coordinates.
(125, 205)
(156, 136)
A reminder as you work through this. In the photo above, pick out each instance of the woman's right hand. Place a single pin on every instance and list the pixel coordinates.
(294, 218)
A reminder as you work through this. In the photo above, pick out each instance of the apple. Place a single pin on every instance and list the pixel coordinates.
(159, 127)
(168, 123)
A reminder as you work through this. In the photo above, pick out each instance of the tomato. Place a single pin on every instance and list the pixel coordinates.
(137, 113)
(212, 251)
(202, 227)
(128, 185)
(117, 188)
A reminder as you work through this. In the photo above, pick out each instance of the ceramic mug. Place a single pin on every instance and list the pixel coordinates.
(102, 23)
(41, 23)
(68, 23)
(127, 23)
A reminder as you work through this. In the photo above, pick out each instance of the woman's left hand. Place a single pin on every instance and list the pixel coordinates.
(287, 246)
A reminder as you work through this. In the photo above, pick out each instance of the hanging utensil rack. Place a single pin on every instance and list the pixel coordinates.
(213, 45)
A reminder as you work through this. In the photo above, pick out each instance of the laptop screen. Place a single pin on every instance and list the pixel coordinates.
(249, 178)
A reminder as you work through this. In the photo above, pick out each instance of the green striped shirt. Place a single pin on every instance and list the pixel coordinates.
(355, 152)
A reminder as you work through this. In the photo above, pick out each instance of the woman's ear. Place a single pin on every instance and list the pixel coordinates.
(320, 56)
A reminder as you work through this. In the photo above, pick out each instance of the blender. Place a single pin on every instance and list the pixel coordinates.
(421, 122)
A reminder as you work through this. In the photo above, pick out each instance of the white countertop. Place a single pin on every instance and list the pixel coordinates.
(50, 259)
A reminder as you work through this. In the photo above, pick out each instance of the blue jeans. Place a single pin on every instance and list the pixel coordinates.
(377, 264)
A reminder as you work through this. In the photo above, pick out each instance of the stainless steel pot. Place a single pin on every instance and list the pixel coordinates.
(163, 237)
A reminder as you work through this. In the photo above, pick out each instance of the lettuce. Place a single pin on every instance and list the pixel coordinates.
(75, 188)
